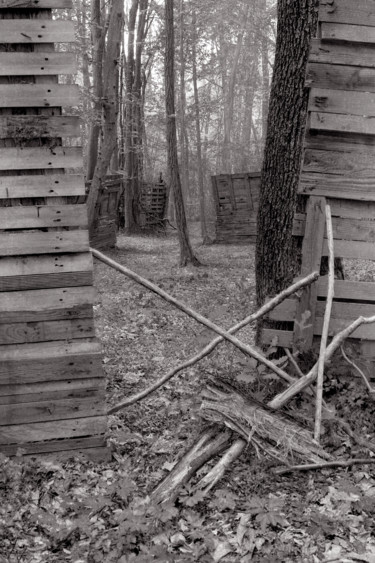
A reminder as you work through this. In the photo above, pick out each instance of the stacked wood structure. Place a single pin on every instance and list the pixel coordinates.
(236, 199)
(106, 220)
(338, 168)
(51, 378)
(153, 203)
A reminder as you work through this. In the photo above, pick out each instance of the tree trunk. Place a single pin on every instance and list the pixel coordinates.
(186, 252)
(109, 106)
(204, 233)
(98, 44)
(275, 253)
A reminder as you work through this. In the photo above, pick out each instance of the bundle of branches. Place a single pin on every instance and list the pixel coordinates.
(274, 433)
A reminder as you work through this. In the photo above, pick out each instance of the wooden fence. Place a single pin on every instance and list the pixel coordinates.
(106, 220)
(51, 380)
(236, 199)
(338, 168)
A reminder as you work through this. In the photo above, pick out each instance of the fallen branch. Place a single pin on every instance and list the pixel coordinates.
(217, 472)
(266, 308)
(328, 464)
(254, 420)
(282, 398)
(327, 318)
(210, 443)
(371, 390)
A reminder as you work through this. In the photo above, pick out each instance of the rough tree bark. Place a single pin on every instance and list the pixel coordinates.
(186, 252)
(275, 253)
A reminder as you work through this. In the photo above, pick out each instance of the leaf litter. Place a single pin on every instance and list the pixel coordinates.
(79, 511)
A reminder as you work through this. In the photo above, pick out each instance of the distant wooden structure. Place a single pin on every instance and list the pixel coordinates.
(52, 385)
(236, 199)
(338, 168)
(153, 201)
(106, 221)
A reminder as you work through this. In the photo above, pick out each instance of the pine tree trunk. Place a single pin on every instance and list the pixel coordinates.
(275, 252)
(186, 252)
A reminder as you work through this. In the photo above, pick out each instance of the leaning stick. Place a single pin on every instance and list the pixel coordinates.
(282, 398)
(327, 318)
(245, 348)
(325, 465)
(266, 308)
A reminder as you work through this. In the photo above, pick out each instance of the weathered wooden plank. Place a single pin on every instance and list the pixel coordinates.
(46, 304)
(40, 158)
(336, 186)
(37, 242)
(311, 258)
(342, 53)
(37, 64)
(347, 32)
(332, 162)
(38, 95)
(348, 290)
(342, 101)
(352, 249)
(340, 77)
(6, 4)
(59, 263)
(21, 127)
(65, 409)
(358, 12)
(366, 332)
(51, 185)
(50, 361)
(45, 281)
(347, 124)
(71, 446)
(344, 143)
(52, 430)
(52, 390)
(353, 209)
(38, 216)
(353, 229)
(46, 331)
(36, 31)
(282, 338)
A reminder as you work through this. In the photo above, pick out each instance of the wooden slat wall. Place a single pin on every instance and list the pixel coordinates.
(51, 378)
(236, 197)
(338, 168)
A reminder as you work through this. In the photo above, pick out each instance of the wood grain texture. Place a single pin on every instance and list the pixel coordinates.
(40, 64)
(36, 31)
(46, 304)
(336, 186)
(40, 4)
(342, 124)
(346, 32)
(344, 53)
(311, 258)
(52, 430)
(52, 410)
(353, 209)
(348, 11)
(47, 331)
(359, 165)
(38, 242)
(342, 101)
(51, 185)
(38, 95)
(51, 390)
(35, 216)
(340, 77)
(37, 126)
(71, 446)
(336, 142)
(355, 250)
(349, 290)
(40, 157)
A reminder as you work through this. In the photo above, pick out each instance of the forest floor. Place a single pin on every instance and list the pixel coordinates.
(85, 512)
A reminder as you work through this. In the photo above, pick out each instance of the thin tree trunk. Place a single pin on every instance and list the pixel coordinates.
(186, 253)
(204, 233)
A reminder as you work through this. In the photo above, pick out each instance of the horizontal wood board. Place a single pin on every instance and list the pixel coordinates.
(36, 126)
(358, 12)
(38, 95)
(6, 4)
(37, 64)
(36, 31)
(51, 185)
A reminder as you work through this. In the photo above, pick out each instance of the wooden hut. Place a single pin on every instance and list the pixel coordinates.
(52, 385)
(236, 198)
(153, 203)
